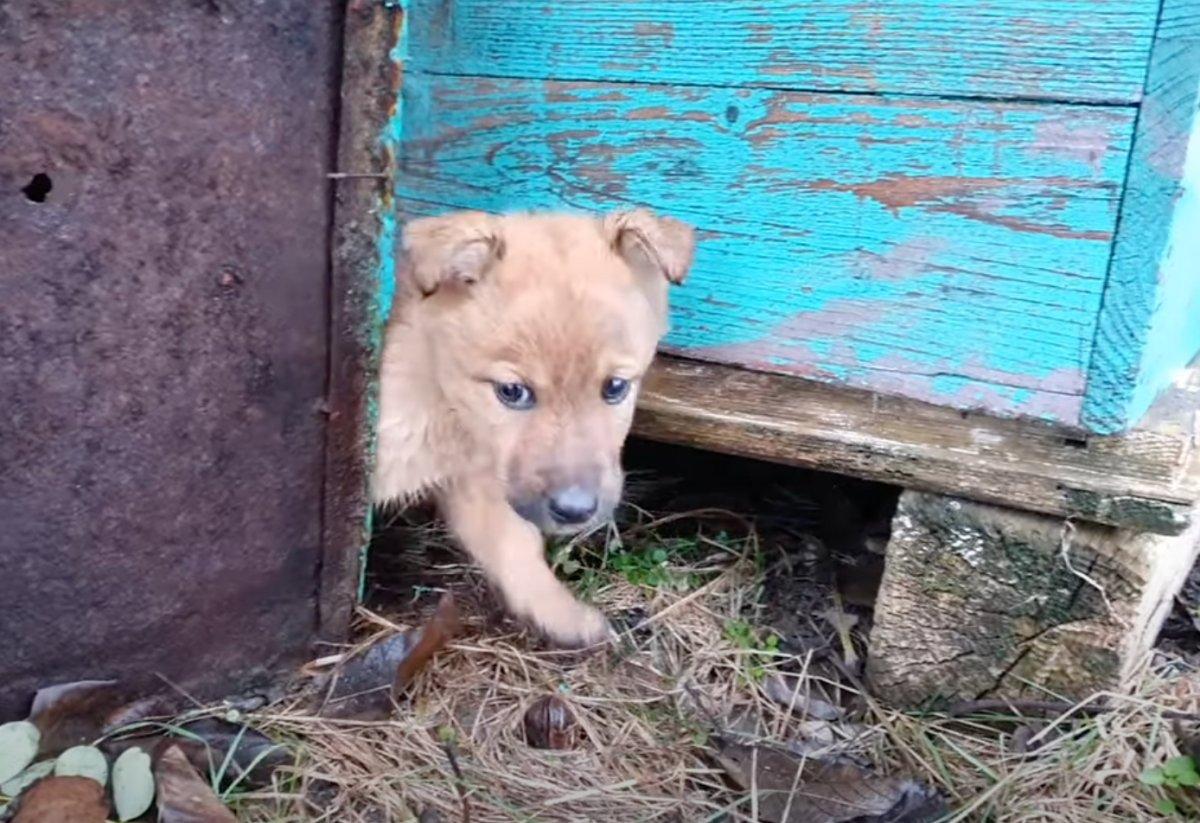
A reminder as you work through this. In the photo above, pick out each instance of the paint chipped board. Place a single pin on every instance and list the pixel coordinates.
(948, 250)
(1147, 480)
(1150, 323)
(1080, 50)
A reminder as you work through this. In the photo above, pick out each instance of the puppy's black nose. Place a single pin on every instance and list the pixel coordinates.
(573, 505)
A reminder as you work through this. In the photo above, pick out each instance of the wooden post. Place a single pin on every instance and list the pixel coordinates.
(983, 601)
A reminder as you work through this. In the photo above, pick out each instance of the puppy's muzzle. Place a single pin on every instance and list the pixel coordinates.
(572, 506)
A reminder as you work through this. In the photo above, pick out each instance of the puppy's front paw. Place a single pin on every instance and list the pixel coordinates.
(572, 625)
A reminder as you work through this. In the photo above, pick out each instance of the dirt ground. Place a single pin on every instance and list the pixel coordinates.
(745, 594)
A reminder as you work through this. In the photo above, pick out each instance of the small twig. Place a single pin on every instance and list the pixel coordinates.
(693, 514)
(754, 784)
(964, 707)
(842, 622)
(176, 687)
(459, 780)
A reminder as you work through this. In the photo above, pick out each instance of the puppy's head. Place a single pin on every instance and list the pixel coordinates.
(541, 327)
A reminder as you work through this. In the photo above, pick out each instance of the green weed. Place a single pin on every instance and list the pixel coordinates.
(761, 647)
(1176, 775)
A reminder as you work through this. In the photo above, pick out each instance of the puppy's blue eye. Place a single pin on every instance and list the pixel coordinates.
(614, 390)
(515, 395)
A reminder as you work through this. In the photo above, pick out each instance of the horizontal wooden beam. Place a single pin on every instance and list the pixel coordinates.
(1147, 479)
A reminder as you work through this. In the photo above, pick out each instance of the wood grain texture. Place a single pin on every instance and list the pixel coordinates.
(1081, 50)
(1147, 480)
(979, 601)
(1150, 323)
(951, 251)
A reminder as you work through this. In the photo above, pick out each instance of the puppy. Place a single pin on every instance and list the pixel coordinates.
(510, 368)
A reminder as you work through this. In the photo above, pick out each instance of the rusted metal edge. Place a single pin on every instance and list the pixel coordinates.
(360, 272)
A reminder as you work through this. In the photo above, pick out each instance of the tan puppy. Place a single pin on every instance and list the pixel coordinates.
(510, 369)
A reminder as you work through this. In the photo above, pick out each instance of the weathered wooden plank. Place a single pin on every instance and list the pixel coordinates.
(945, 250)
(1150, 323)
(1147, 480)
(1083, 50)
(982, 601)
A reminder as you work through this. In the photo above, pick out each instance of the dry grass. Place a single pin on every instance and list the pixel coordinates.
(1080, 766)
(651, 711)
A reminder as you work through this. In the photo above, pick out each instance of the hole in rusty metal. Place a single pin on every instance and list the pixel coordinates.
(38, 188)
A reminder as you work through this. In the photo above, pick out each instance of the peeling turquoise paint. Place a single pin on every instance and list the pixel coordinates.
(959, 257)
(1052, 49)
(931, 233)
(1150, 323)
(391, 142)
(386, 292)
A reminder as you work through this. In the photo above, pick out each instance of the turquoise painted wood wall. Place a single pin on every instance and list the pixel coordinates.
(959, 202)
(1150, 323)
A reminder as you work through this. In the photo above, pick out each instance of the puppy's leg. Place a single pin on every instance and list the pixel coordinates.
(512, 554)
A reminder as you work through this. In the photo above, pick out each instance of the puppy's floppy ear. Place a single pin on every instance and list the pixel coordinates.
(453, 248)
(660, 246)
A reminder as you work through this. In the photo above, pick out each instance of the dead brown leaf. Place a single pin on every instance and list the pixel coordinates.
(75, 714)
(360, 685)
(430, 640)
(254, 755)
(791, 692)
(368, 683)
(792, 790)
(63, 800)
(183, 797)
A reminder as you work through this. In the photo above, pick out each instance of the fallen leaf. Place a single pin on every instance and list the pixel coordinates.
(549, 724)
(790, 692)
(208, 742)
(796, 790)
(253, 751)
(83, 761)
(159, 706)
(63, 800)
(13, 787)
(368, 683)
(48, 697)
(183, 797)
(18, 747)
(132, 784)
(71, 714)
(920, 804)
(360, 685)
(433, 637)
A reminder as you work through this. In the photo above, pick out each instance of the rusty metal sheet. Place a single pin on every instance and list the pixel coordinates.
(362, 248)
(164, 254)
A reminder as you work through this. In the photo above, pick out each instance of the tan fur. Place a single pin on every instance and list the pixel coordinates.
(558, 302)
